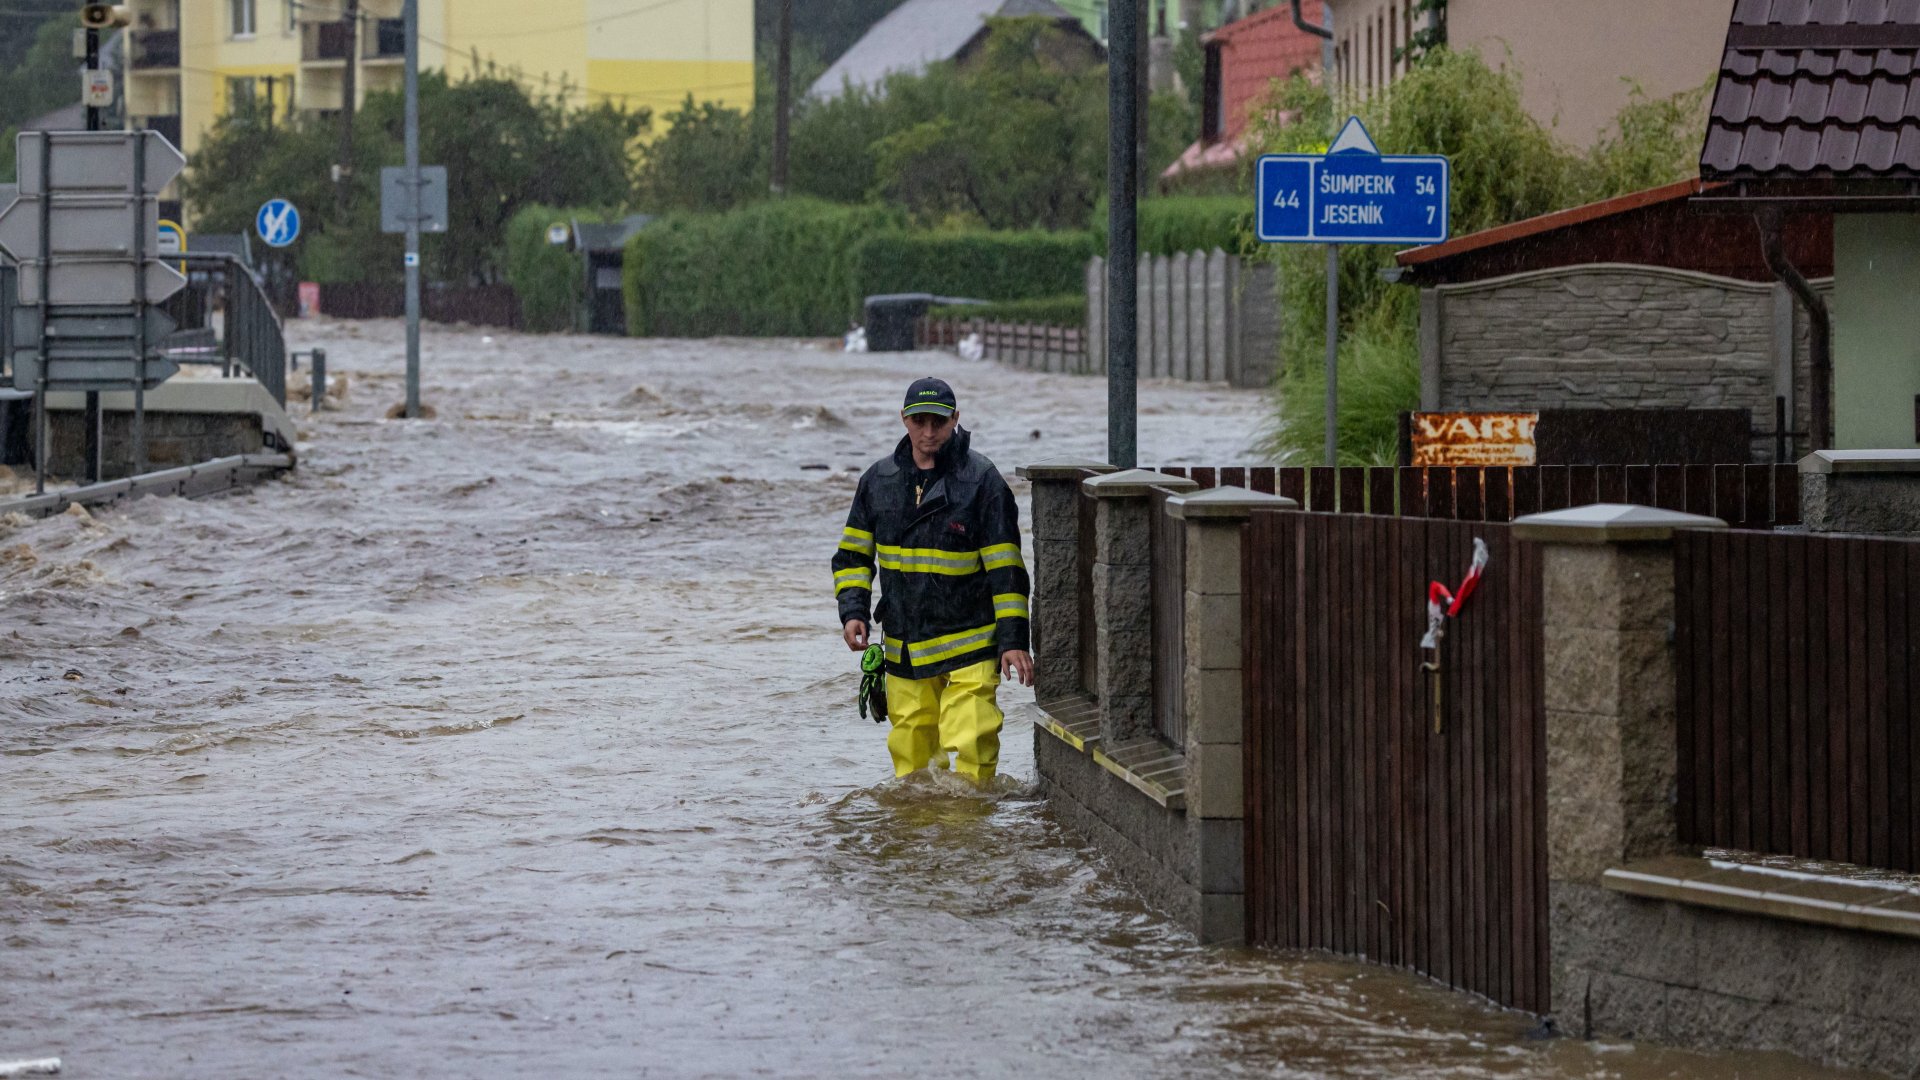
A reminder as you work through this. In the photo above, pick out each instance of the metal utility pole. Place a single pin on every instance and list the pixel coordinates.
(411, 12)
(91, 418)
(1123, 241)
(352, 23)
(783, 99)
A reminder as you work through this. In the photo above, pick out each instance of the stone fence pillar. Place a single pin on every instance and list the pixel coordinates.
(1123, 598)
(1607, 620)
(1054, 609)
(1861, 491)
(1216, 807)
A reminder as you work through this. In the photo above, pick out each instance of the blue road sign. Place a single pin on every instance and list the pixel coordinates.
(1352, 194)
(278, 223)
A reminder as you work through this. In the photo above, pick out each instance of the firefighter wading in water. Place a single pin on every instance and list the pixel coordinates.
(944, 530)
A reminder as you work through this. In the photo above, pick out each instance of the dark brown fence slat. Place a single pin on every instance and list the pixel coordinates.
(1440, 493)
(1233, 477)
(1353, 488)
(1794, 673)
(1369, 833)
(1526, 491)
(1554, 481)
(1756, 482)
(1292, 482)
(1321, 495)
(1380, 496)
(1413, 493)
(1261, 479)
(1610, 485)
(1786, 495)
(1467, 505)
(1499, 495)
(1670, 487)
(1639, 485)
(1583, 485)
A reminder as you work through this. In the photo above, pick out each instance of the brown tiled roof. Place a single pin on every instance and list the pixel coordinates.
(1817, 88)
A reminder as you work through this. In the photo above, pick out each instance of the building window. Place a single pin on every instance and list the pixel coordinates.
(1213, 116)
(240, 96)
(243, 18)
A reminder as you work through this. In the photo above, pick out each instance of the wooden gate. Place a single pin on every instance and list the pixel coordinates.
(1368, 833)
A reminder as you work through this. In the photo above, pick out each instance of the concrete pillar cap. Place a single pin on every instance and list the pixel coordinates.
(1226, 504)
(1061, 468)
(1608, 523)
(1134, 483)
(1861, 461)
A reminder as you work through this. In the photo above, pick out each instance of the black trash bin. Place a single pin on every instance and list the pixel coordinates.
(890, 320)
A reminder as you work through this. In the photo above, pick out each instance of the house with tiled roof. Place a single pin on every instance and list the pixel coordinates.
(1817, 109)
(920, 33)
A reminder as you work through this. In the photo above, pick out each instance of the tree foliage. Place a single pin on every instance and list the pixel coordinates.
(503, 148)
(37, 75)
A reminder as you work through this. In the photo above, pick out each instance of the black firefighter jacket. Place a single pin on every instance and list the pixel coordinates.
(953, 587)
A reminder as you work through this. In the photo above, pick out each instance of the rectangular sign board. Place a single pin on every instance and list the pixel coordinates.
(1469, 438)
(99, 281)
(73, 373)
(81, 225)
(1352, 198)
(96, 161)
(396, 206)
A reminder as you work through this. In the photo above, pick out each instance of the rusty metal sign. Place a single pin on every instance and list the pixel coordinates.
(1473, 438)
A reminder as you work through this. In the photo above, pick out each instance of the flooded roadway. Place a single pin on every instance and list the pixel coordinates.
(521, 742)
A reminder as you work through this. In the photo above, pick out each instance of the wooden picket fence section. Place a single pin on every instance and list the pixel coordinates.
(1744, 496)
(1367, 832)
(1036, 346)
(1798, 667)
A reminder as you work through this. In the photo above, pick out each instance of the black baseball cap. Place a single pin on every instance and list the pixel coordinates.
(929, 396)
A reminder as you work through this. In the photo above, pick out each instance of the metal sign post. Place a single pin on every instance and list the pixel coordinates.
(1352, 194)
(410, 12)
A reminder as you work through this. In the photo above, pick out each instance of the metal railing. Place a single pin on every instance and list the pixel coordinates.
(249, 340)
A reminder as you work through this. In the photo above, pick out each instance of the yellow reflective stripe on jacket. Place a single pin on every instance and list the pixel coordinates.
(854, 577)
(928, 560)
(1010, 605)
(855, 540)
(892, 649)
(1001, 556)
(934, 650)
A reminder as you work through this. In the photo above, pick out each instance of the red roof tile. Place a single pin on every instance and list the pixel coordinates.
(1817, 88)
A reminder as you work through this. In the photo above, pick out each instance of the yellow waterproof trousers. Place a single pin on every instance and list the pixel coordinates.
(954, 714)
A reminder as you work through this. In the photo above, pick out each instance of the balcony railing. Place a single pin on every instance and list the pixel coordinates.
(156, 49)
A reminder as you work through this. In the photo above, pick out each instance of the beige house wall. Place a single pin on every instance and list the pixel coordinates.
(1578, 61)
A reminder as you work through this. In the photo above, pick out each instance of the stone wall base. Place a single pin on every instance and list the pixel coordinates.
(1628, 967)
(1150, 845)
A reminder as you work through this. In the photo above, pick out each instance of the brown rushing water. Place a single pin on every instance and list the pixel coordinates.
(521, 742)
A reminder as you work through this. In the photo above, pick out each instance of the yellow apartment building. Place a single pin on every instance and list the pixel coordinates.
(192, 60)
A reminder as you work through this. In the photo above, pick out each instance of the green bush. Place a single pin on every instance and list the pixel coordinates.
(1066, 310)
(975, 265)
(549, 279)
(778, 268)
(1177, 223)
(1379, 379)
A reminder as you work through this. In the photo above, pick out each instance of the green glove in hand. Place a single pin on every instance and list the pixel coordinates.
(873, 683)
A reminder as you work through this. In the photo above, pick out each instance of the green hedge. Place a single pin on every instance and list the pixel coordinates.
(782, 268)
(976, 265)
(1068, 310)
(1177, 223)
(549, 279)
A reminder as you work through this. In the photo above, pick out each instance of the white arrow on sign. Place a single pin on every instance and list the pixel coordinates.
(81, 225)
(99, 162)
(99, 281)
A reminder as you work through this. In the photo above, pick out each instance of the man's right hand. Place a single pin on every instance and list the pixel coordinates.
(856, 634)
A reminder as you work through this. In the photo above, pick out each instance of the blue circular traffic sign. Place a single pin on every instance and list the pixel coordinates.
(278, 223)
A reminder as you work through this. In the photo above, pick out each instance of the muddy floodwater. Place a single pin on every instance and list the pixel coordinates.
(521, 742)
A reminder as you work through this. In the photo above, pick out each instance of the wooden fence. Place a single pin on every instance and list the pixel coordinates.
(477, 305)
(1798, 665)
(1034, 346)
(1368, 832)
(1744, 496)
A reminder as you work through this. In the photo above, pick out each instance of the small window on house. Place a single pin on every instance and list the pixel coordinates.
(1213, 107)
(1100, 11)
(243, 18)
